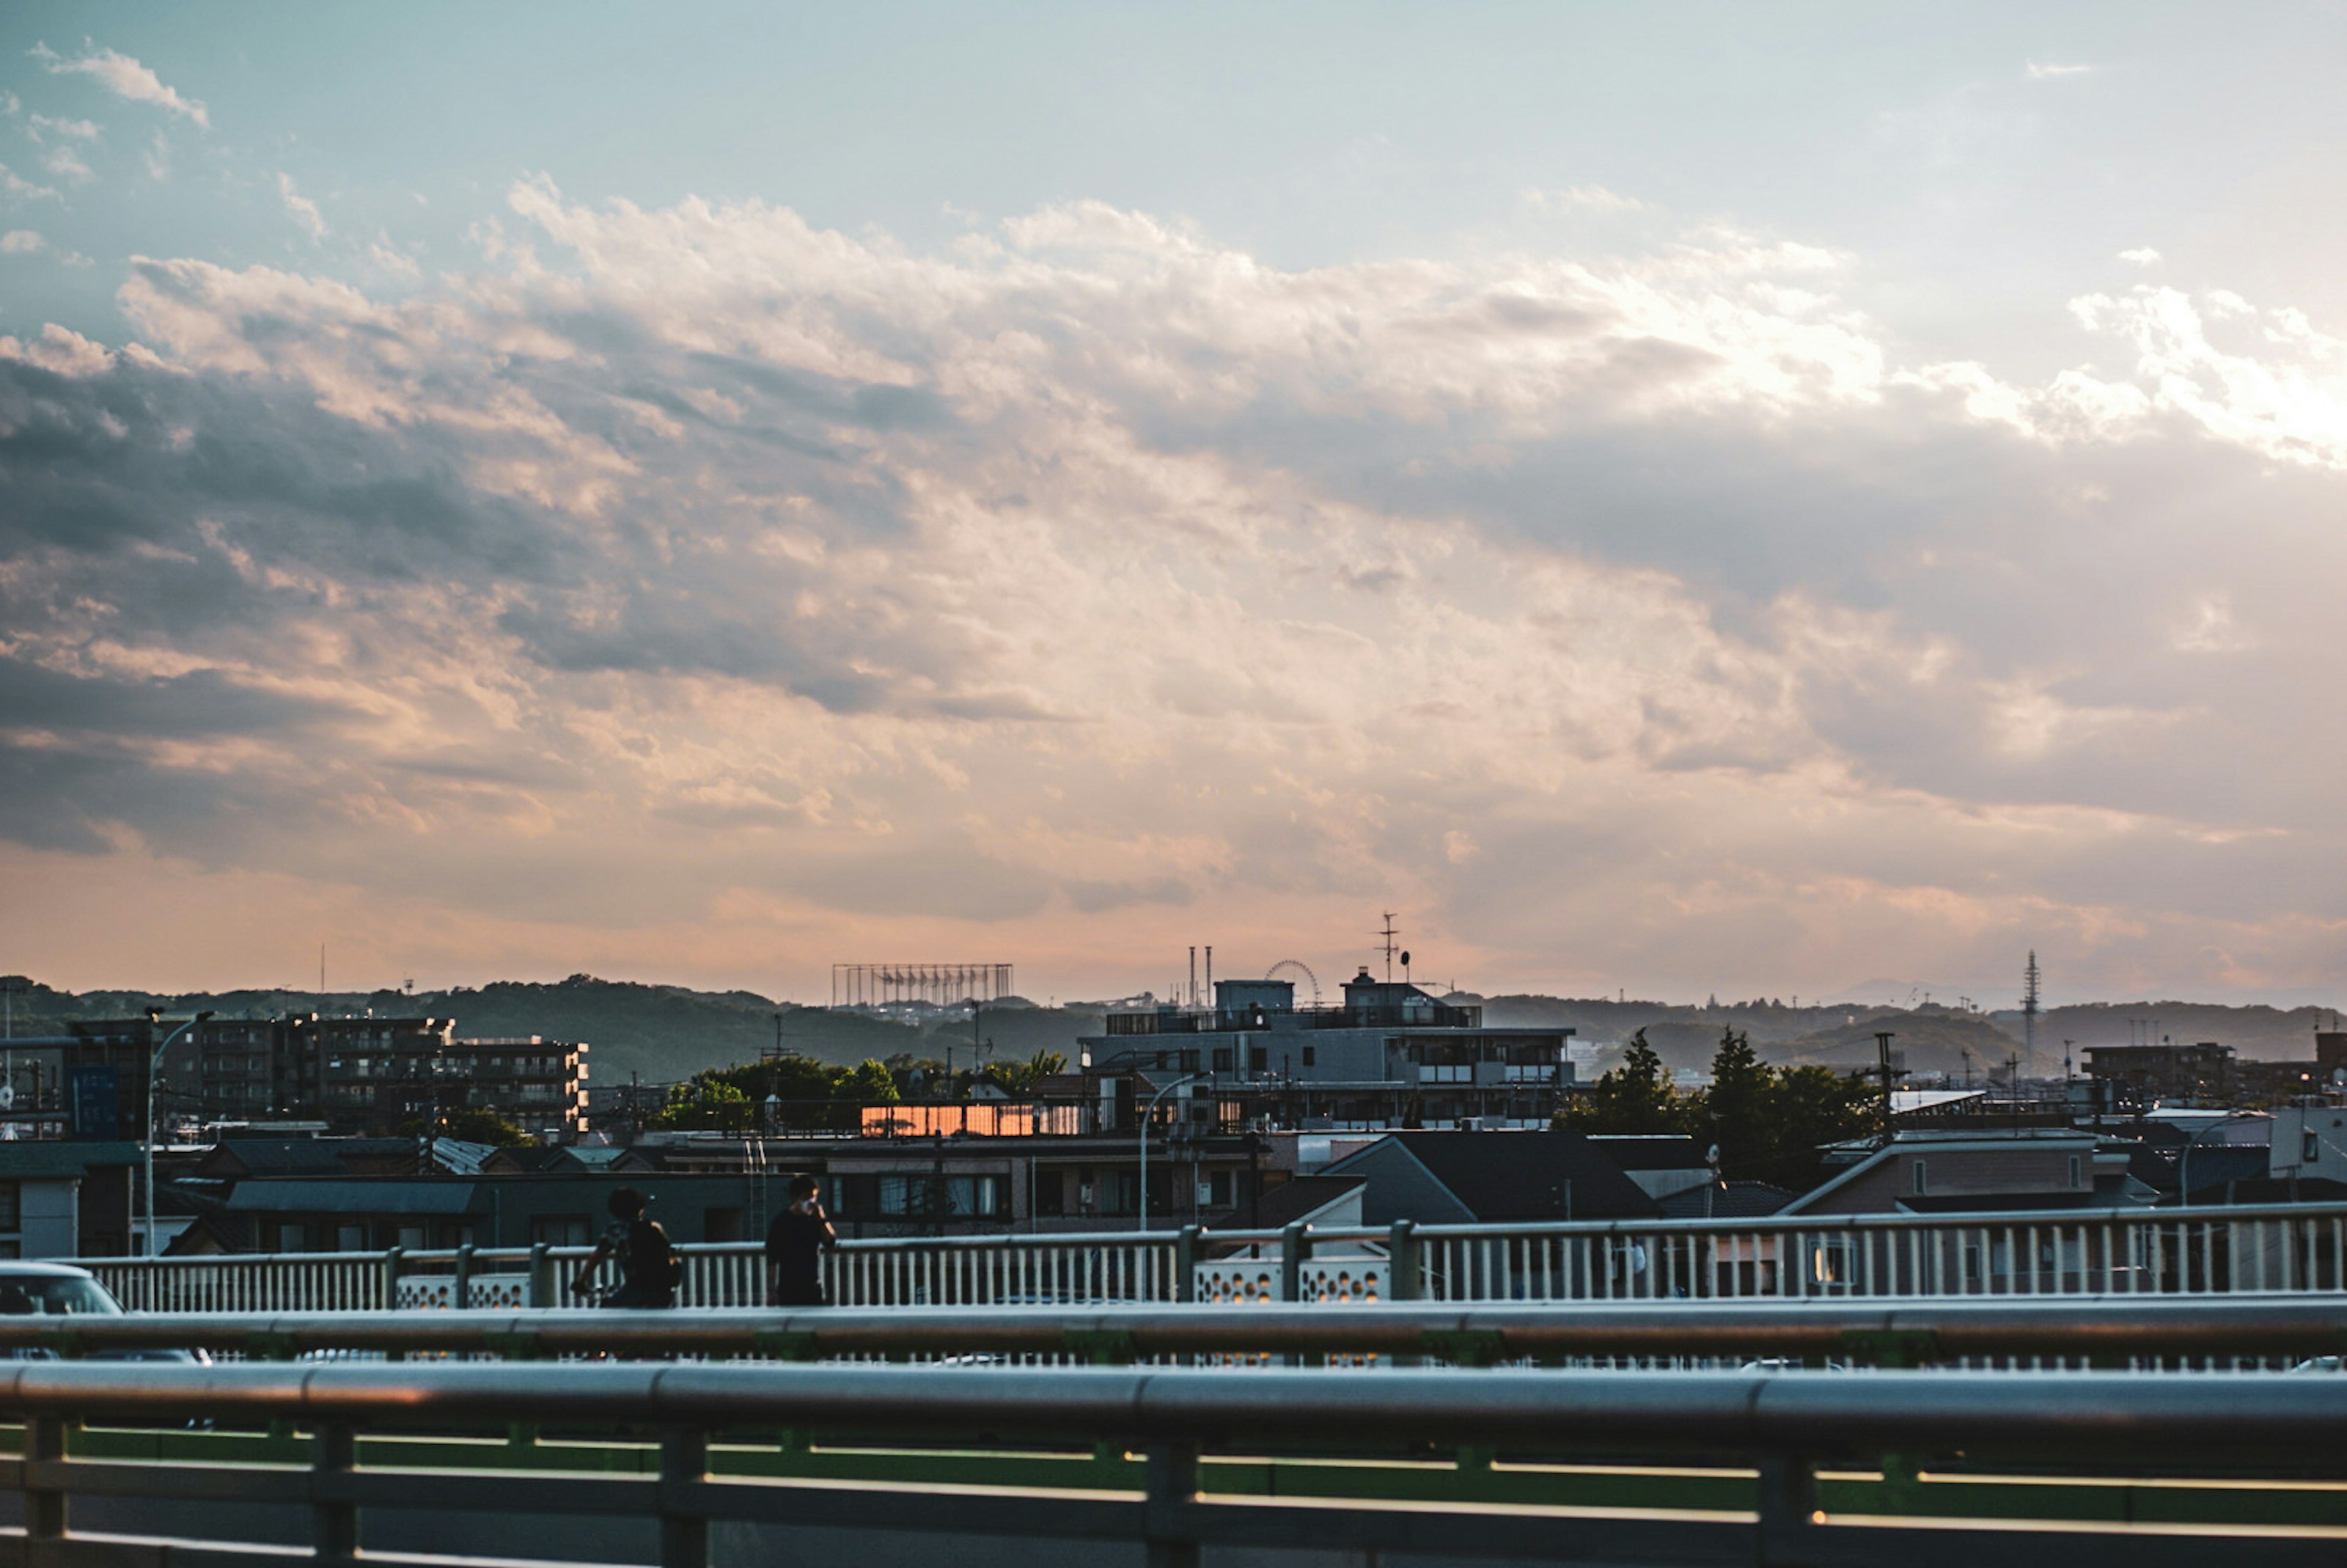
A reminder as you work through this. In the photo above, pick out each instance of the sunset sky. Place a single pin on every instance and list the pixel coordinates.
(1741, 499)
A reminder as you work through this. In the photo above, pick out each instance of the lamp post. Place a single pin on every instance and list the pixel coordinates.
(154, 1068)
(2184, 1161)
(1142, 1203)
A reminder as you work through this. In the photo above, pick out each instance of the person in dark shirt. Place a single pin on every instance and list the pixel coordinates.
(795, 1243)
(649, 1265)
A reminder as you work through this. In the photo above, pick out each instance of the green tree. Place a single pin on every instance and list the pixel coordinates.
(708, 1102)
(1811, 1107)
(872, 1084)
(1635, 1098)
(474, 1127)
(1739, 1108)
(1020, 1078)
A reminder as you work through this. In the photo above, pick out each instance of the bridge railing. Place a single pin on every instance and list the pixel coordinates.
(2280, 1248)
(1751, 1448)
(2097, 1333)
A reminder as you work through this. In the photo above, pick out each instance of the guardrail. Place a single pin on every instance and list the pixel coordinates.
(2104, 1333)
(1404, 1461)
(2280, 1248)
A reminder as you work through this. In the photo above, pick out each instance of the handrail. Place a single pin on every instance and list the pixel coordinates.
(1804, 1224)
(2095, 1329)
(2302, 1421)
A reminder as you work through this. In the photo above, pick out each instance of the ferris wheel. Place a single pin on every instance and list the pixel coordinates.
(1301, 967)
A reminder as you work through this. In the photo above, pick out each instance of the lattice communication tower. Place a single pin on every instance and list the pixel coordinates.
(897, 985)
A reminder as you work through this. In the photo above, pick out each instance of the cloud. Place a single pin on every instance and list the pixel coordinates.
(42, 127)
(2144, 256)
(21, 242)
(124, 77)
(2046, 70)
(67, 164)
(303, 211)
(1582, 199)
(696, 580)
(17, 188)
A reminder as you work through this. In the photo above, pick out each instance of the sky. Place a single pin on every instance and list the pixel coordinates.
(1794, 501)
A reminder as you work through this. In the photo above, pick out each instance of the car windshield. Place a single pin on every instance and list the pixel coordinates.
(55, 1295)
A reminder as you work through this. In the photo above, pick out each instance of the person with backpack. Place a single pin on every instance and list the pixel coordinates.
(651, 1268)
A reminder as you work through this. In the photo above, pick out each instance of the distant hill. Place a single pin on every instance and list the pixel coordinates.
(661, 1033)
(1932, 1036)
(1924, 1043)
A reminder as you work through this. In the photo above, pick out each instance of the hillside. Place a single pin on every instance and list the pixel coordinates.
(660, 1033)
(1933, 1037)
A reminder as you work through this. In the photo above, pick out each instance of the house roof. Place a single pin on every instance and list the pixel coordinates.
(1501, 1176)
(1651, 1151)
(298, 1156)
(1727, 1201)
(1300, 1199)
(298, 1196)
(29, 1159)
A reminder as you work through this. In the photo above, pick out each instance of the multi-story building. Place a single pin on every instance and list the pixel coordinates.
(2166, 1071)
(1391, 1056)
(365, 1073)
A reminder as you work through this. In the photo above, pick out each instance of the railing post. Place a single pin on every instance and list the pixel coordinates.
(44, 1505)
(541, 1277)
(1401, 1262)
(1788, 1508)
(391, 1261)
(684, 1533)
(1294, 1246)
(1186, 1265)
(1173, 1490)
(333, 1454)
(460, 1293)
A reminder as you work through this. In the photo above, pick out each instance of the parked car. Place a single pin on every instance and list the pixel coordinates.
(61, 1290)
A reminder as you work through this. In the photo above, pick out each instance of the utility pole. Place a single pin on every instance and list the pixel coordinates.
(2029, 977)
(1883, 1055)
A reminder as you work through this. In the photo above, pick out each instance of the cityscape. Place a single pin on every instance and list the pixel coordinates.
(1210, 786)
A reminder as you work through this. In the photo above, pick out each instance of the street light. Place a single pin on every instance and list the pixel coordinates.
(1151, 1110)
(154, 1067)
(2184, 1161)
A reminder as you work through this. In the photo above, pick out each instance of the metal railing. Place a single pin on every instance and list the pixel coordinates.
(2280, 1248)
(2106, 1333)
(1767, 1491)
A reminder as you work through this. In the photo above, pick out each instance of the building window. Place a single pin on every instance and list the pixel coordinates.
(1310, 1056)
(292, 1239)
(1258, 1059)
(1446, 1072)
(2310, 1148)
(1051, 1191)
(561, 1230)
(721, 1224)
(1222, 1059)
(2077, 1172)
(351, 1238)
(1919, 1178)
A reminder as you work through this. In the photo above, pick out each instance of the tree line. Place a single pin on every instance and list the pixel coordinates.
(1767, 1122)
(818, 1096)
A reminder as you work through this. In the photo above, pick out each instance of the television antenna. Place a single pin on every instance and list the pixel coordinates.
(1388, 933)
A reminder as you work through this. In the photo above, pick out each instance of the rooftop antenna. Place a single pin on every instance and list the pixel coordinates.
(1387, 933)
(1210, 973)
(2029, 977)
